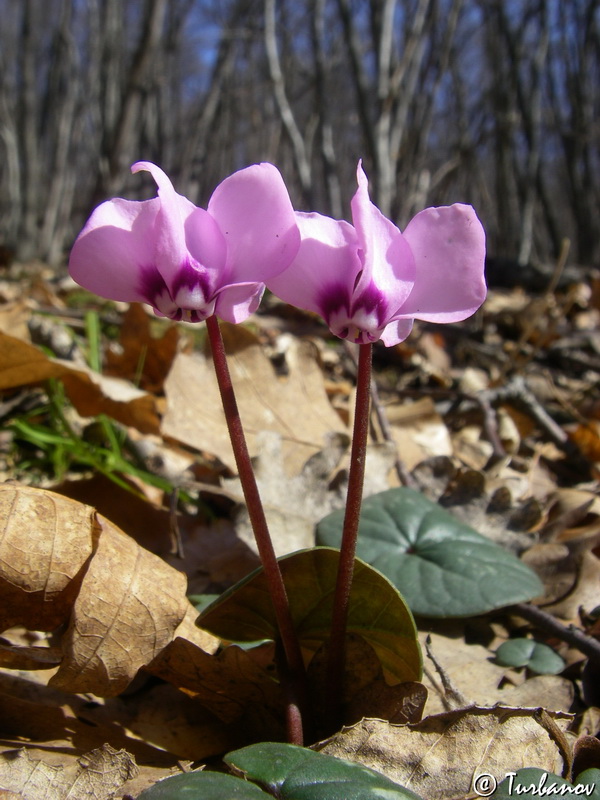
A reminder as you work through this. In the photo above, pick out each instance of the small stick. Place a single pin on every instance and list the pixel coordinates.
(587, 645)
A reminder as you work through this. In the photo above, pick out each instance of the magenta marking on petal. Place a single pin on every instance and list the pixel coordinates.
(359, 319)
(333, 300)
(152, 284)
(191, 278)
(372, 301)
(186, 300)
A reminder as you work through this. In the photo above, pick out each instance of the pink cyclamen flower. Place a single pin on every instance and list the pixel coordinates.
(369, 281)
(187, 262)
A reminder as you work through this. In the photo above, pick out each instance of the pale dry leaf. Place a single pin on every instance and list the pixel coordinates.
(296, 405)
(129, 606)
(14, 317)
(294, 505)
(45, 542)
(98, 774)
(487, 506)
(438, 757)
(585, 593)
(555, 565)
(468, 668)
(22, 364)
(471, 670)
(574, 519)
(552, 692)
(418, 431)
(470, 448)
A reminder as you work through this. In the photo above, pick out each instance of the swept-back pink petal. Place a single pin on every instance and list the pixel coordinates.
(253, 210)
(114, 247)
(235, 303)
(171, 251)
(448, 244)
(387, 258)
(324, 271)
(396, 332)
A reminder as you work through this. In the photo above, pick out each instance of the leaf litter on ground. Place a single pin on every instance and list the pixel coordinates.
(498, 422)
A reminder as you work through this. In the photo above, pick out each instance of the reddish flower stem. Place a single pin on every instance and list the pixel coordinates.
(276, 586)
(341, 601)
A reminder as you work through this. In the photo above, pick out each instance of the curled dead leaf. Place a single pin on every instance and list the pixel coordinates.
(45, 543)
(59, 562)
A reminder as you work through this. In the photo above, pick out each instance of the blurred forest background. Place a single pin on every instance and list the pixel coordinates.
(490, 102)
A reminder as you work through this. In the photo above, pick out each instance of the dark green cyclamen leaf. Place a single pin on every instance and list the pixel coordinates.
(589, 778)
(377, 612)
(532, 781)
(536, 656)
(442, 567)
(203, 786)
(294, 773)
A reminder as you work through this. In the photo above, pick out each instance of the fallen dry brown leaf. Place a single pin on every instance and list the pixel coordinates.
(474, 675)
(296, 405)
(98, 774)
(59, 562)
(142, 358)
(22, 364)
(439, 757)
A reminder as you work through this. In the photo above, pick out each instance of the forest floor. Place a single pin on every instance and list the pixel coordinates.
(103, 406)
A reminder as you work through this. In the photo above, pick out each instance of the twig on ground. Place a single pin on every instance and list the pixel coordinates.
(452, 697)
(587, 645)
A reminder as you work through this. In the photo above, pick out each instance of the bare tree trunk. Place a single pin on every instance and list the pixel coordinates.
(361, 80)
(328, 157)
(62, 100)
(126, 129)
(299, 148)
(28, 124)
(196, 145)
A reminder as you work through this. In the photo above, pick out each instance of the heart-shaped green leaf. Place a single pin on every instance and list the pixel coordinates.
(286, 772)
(538, 657)
(203, 785)
(377, 611)
(442, 567)
(294, 773)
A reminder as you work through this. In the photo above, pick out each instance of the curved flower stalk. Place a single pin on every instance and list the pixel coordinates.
(187, 262)
(370, 281)
(195, 264)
